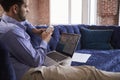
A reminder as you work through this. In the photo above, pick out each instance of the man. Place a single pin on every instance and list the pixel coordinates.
(13, 34)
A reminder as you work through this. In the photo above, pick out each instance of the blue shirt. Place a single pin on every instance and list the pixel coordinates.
(23, 55)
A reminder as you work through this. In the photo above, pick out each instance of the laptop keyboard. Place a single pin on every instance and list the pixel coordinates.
(57, 56)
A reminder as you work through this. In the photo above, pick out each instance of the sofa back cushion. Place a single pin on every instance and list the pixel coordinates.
(58, 29)
(115, 41)
(98, 39)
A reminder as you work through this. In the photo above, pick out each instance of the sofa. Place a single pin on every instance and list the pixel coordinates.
(102, 42)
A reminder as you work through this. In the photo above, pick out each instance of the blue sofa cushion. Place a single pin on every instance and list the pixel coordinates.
(108, 60)
(96, 39)
(115, 41)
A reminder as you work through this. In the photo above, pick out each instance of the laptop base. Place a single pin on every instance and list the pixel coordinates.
(50, 62)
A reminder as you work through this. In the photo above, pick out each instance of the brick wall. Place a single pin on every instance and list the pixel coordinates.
(39, 12)
(107, 11)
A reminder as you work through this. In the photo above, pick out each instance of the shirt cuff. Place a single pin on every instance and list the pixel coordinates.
(43, 44)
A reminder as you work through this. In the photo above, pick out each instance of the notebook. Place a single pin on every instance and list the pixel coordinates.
(65, 48)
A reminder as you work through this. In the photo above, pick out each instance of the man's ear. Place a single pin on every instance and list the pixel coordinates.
(15, 8)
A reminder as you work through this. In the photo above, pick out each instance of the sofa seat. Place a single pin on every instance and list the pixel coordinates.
(108, 60)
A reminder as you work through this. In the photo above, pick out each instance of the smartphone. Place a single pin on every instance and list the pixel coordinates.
(49, 28)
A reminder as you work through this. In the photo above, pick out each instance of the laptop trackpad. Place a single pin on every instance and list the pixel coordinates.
(57, 56)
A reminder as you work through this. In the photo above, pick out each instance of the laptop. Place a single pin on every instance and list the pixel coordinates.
(65, 48)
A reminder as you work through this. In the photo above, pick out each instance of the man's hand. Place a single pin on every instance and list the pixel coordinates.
(38, 31)
(46, 35)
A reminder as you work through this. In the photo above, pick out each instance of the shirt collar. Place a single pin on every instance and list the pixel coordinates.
(12, 20)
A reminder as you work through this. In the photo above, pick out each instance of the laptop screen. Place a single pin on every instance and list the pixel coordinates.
(67, 43)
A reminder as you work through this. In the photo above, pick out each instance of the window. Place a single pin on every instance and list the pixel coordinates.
(76, 12)
(59, 11)
(72, 11)
(92, 11)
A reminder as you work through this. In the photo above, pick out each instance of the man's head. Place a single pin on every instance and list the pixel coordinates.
(16, 9)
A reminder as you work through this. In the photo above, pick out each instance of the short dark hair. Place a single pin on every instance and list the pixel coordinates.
(6, 4)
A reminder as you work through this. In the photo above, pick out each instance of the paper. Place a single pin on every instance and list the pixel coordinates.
(80, 57)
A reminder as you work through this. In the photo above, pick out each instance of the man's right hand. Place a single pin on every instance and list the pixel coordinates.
(46, 35)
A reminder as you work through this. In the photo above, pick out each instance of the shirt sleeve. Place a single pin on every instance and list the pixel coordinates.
(27, 24)
(19, 44)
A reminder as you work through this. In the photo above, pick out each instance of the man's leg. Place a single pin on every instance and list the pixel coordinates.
(58, 72)
(33, 74)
